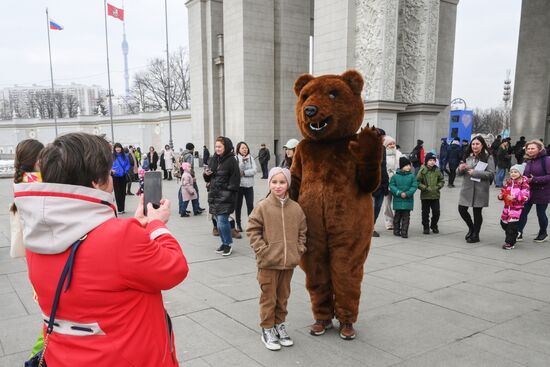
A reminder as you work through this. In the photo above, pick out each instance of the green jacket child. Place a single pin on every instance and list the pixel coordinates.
(430, 180)
(403, 182)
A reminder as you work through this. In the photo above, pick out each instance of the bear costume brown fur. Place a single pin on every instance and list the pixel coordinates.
(334, 171)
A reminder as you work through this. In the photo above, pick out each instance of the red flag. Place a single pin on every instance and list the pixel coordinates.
(115, 12)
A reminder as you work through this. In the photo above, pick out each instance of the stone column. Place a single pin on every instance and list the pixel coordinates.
(291, 39)
(205, 23)
(249, 70)
(334, 36)
(530, 109)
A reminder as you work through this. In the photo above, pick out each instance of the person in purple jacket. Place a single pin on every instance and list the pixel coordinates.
(537, 171)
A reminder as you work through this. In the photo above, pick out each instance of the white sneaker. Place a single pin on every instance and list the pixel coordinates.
(284, 339)
(269, 337)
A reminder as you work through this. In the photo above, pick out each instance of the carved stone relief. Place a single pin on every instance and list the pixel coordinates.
(375, 46)
(417, 50)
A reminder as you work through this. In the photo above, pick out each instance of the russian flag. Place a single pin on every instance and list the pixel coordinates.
(55, 26)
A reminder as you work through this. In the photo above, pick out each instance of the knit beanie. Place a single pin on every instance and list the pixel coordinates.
(275, 171)
(518, 167)
(388, 140)
(404, 161)
(429, 156)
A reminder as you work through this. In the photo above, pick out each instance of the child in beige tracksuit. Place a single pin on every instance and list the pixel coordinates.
(277, 231)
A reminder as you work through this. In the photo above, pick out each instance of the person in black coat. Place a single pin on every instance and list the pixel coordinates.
(454, 156)
(443, 153)
(205, 155)
(153, 158)
(519, 149)
(223, 178)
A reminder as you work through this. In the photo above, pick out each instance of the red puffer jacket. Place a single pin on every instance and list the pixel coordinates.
(113, 313)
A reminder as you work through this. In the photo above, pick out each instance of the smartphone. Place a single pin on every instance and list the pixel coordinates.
(152, 189)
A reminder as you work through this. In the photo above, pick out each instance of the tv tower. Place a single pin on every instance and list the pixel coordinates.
(507, 90)
(125, 53)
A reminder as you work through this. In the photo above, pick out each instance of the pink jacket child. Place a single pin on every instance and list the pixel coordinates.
(141, 175)
(188, 192)
(519, 190)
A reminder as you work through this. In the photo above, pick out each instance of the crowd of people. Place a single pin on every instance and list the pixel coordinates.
(85, 176)
(479, 165)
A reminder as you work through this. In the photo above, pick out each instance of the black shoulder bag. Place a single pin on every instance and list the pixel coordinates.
(38, 359)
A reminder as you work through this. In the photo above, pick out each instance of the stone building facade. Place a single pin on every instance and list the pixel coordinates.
(246, 54)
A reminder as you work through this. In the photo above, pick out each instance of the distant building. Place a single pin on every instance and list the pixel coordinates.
(16, 99)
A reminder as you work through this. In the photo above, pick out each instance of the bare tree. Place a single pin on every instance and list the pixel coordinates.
(490, 121)
(71, 104)
(151, 90)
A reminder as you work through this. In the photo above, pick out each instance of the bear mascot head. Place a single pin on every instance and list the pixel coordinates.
(330, 106)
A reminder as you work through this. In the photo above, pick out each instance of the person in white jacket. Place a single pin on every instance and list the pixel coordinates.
(248, 169)
(392, 165)
(169, 160)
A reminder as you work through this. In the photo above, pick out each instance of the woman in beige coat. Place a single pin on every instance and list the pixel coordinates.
(277, 232)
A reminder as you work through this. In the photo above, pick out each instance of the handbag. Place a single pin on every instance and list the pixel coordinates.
(38, 359)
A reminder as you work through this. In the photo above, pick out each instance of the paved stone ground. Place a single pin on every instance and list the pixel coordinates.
(427, 301)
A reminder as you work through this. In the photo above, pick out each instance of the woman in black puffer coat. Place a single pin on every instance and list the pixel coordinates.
(223, 178)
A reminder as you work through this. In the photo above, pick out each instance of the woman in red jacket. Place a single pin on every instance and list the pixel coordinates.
(113, 313)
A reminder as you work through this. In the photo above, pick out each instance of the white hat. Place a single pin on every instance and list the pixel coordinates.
(518, 167)
(291, 144)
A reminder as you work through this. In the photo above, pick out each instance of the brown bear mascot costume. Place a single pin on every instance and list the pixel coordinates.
(334, 171)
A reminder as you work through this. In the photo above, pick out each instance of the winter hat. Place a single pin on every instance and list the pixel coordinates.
(518, 167)
(291, 144)
(388, 140)
(382, 132)
(275, 171)
(404, 161)
(429, 156)
(186, 166)
(419, 142)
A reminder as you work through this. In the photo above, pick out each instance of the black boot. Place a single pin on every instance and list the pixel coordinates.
(474, 238)
(426, 230)
(397, 224)
(469, 234)
(405, 225)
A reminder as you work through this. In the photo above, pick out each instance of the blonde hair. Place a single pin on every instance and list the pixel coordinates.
(537, 142)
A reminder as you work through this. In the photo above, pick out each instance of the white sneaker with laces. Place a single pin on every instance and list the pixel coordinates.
(284, 339)
(270, 340)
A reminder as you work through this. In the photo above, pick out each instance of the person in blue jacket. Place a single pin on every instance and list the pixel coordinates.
(121, 166)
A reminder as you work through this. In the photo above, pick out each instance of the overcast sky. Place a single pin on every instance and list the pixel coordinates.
(486, 43)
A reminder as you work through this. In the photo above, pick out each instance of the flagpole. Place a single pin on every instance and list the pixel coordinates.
(108, 74)
(168, 98)
(51, 71)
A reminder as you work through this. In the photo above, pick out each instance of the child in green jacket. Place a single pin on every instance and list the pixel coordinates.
(430, 181)
(402, 186)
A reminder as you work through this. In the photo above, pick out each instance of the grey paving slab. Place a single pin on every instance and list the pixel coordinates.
(462, 266)
(529, 252)
(193, 340)
(517, 353)
(418, 247)
(484, 303)
(5, 285)
(21, 284)
(517, 282)
(421, 276)
(11, 306)
(197, 362)
(15, 359)
(19, 334)
(413, 327)
(530, 331)
(459, 355)
(540, 267)
(231, 358)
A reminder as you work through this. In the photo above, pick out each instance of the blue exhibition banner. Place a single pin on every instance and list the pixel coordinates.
(461, 124)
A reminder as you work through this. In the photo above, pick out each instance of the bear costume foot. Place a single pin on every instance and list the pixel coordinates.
(347, 332)
(320, 326)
